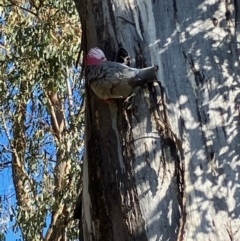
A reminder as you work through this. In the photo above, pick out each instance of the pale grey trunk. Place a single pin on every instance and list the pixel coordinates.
(133, 174)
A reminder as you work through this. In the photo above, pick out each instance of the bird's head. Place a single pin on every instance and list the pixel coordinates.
(95, 56)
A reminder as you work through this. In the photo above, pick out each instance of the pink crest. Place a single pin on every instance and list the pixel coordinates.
(95, 56)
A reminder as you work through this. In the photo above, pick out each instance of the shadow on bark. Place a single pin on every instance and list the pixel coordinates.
(199, 70)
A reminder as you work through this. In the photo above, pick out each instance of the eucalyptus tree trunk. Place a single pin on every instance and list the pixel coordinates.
(165, 167)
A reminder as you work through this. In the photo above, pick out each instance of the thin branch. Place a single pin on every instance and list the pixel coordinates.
(21, 167)
(5, 148)
(3, 47)
(54, 221)
(5, 164)
(25, 9)
(53, 114)
(70, 97)
(5, 128)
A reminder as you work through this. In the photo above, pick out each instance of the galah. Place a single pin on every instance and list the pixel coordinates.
(111, 80)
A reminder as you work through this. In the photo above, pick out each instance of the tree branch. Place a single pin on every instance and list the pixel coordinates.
(5, 164)
(25, 9)
(5, 128)
(70, 97)
(57, 115)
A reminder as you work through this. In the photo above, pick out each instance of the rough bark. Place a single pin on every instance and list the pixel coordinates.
(136, 184)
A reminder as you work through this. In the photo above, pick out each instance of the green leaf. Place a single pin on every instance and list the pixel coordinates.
(37, 57)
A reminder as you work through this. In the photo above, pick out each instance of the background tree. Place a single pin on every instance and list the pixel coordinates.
(167, 168)
(41, 119)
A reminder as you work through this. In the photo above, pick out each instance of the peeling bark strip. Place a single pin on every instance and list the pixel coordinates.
(199, 70)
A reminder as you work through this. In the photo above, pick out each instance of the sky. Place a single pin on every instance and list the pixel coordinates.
(7, 192)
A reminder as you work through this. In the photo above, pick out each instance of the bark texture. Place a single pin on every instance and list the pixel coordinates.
(138, 185)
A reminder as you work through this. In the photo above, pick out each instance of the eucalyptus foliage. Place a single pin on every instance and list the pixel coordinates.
(39, 45)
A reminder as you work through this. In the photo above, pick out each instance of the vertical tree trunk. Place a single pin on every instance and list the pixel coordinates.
(140, 181)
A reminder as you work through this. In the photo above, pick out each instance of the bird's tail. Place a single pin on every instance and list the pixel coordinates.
(148, 74)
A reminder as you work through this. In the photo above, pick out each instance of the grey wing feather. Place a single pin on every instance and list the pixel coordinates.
(114, 80)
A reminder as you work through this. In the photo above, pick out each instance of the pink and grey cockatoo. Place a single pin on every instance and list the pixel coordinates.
(111, 80)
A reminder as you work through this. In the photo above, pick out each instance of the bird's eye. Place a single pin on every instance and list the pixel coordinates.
(103, 58)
